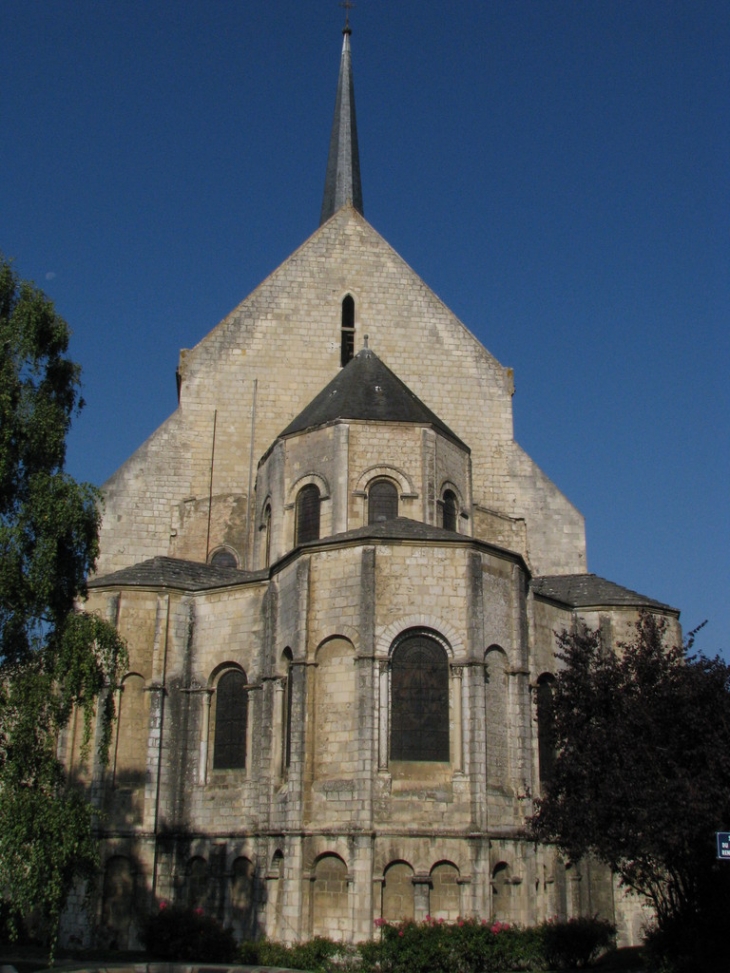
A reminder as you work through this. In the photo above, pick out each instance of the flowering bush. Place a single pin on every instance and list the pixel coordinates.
(188, 934)
(463, 946)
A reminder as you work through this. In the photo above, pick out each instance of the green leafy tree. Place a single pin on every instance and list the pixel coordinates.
(53, 657)
(642, 773)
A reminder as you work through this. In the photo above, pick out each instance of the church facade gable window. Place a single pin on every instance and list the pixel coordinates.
(347, 339)
(419, 724)
(307, 514)
(382, 502)
(231, 721)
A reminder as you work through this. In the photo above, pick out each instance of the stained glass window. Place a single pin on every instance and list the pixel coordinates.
(419, 700)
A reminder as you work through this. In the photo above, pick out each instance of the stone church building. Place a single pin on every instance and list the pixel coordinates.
(339, 578)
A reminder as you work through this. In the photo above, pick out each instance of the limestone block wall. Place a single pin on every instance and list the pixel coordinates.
(265, 361)
(339, 833)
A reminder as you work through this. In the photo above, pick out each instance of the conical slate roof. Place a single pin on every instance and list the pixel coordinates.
(367, 389)
(342, 183)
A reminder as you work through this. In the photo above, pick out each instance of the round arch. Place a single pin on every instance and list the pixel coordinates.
(444, 633)
(385, 472)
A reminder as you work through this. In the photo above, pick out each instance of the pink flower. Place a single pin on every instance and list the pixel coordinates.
(381, 922)
(400, 933)
(198, 911)
(163, 905)
(499, 927)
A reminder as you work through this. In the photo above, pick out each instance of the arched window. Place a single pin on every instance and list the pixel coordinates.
(382, 502)
(545, 727)
(347, 346)
(308, 514)
(419, 727)
(231, 719)
(223, 558)
(449, 506)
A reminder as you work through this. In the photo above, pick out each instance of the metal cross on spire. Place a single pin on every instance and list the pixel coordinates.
(348, 5)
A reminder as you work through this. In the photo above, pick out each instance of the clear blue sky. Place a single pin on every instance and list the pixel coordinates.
(556, 171)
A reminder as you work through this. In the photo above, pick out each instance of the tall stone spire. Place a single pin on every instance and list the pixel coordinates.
(342, 183)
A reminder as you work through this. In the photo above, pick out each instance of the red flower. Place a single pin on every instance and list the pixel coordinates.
(163, 905)
(198, 911)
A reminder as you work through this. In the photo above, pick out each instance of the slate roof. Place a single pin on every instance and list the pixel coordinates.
(172, 572)
(342, 183)
(367, 389)
(588, 591)
(400, 528)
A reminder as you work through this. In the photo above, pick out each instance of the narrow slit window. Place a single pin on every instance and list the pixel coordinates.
(546, 727)
(347, 345)
(267, 536)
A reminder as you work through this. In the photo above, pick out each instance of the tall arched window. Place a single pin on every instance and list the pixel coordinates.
(419, 725)
(449, 507)
(545, 727)
(382, 502)
(231, 720)
(347, 345)
(308, 514)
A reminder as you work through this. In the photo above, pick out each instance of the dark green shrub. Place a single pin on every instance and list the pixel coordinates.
(577, 943)
(12, 927)
(318, 955)
(687, 947)
(188, 934)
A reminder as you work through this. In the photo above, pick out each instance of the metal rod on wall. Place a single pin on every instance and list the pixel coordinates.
(249, 543)
(210, 487)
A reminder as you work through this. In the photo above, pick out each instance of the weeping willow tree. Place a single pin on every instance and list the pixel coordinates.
(54, 658)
